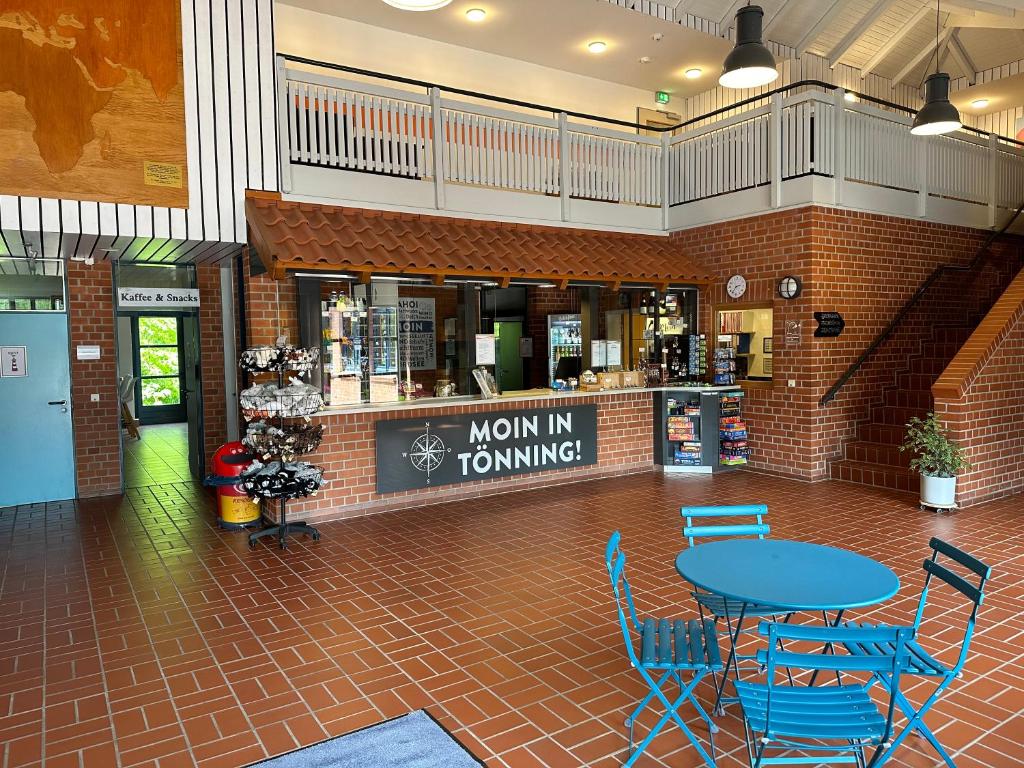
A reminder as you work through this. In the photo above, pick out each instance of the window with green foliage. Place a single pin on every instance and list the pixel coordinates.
(159, 361)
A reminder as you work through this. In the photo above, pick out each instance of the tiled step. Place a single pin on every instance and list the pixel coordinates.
(878, 475)
(918, 399)
(887, 414)
(887, 454)
(954, 334)
(881, 433)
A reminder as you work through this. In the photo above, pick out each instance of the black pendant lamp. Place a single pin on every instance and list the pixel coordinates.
(749, 64)
(937, 115)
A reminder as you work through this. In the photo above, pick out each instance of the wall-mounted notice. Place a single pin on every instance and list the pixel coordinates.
(598, 353)
(614, 356)
(418, 333)
(13, 362)
(165, 298)
(87, 352)
(485, 349)
(526, 346)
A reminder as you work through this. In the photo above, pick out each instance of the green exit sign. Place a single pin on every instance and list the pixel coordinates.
(661, 97)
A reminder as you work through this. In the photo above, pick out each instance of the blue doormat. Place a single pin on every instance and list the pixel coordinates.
(415, 740)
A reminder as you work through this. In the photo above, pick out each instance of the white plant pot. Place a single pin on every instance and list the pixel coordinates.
(938, 492)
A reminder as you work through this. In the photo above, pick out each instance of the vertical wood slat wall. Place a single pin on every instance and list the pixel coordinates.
(231, 132)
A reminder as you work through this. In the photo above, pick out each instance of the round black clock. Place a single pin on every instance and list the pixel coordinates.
(790, 287)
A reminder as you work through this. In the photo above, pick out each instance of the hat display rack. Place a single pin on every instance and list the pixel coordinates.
(278, 432)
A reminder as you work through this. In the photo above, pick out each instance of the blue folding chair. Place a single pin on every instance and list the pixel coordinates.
(732, 611)
(831, 725)
(667, 648)
(921, 662)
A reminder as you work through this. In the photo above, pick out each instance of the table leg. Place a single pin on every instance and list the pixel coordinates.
(732, 660)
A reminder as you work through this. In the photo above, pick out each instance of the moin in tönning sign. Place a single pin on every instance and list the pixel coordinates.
(441, 450)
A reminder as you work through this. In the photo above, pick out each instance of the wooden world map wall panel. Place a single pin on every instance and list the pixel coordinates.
(92, 98)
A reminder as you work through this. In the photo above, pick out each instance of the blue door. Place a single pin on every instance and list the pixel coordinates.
(37, 460)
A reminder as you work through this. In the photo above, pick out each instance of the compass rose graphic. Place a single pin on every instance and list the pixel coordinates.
(427, 452)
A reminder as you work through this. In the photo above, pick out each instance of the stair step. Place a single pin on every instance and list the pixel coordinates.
(887, 454)
(928, 365)
(954, 334)
(917, 399)
(882, 433)
(877, 475)
(919, 382)
(888, 414)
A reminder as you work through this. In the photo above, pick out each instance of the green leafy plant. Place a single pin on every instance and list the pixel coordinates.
(935, 454)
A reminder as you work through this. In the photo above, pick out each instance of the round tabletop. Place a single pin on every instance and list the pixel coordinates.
(789, 574)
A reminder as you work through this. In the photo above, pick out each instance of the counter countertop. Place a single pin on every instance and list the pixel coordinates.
(507, 397)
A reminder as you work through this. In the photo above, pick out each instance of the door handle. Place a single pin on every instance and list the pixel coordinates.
(58, 402)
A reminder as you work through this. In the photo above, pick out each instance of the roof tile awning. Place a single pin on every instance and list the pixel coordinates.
(294, 236)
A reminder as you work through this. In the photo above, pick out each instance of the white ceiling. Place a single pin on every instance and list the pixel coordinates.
(554, 33)
(895, 38)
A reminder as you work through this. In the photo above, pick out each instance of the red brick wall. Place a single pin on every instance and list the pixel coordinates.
(348, 454)
(271, 308)
(211, 337)
(862, 265)
(541, 302)
(97, 425)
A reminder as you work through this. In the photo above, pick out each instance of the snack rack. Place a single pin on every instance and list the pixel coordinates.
(281, 410)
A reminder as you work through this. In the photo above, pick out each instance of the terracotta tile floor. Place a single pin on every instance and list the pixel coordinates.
(134, 633)
(161, 456)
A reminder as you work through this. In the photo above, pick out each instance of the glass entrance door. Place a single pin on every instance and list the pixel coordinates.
(159, 392)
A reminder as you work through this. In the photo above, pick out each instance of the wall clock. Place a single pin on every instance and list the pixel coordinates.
(736, 287)
(790, 287)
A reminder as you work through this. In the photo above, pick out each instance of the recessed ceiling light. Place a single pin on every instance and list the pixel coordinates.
(476, 14)
(850, 96)
(693, 73)
(597, 46)
(417, 5)
(644, 59)
(979, 103)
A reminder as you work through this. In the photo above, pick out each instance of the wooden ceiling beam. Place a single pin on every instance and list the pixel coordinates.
(826, 19)
(919, 57)
(850, 39)
(963, 60)
(894, 41)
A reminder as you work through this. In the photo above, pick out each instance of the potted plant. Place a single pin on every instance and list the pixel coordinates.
(937, 458)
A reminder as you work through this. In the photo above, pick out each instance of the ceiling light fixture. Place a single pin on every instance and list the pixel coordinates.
(749, 64)
(938, 115)
(979, 103)
(597, 46)
(418, 5)
(476, 14)
(693, 73)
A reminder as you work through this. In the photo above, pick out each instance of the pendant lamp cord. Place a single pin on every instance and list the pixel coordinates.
(938, 14)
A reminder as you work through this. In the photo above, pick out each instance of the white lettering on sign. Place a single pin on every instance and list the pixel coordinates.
(157, 297)
(13, 362)
(536, 456)
(418, 334)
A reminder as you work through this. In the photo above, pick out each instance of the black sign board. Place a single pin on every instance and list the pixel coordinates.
(442, 450)
(830, 324)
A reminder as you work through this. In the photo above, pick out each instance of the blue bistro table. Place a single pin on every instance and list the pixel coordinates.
(789, 575)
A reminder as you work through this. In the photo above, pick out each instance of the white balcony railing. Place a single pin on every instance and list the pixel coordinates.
(862, 156)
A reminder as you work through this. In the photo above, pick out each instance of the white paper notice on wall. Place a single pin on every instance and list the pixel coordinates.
(13, 362)
(87, 352)
(166, 298)
(614, 357)
(485, 349)
(598, 353)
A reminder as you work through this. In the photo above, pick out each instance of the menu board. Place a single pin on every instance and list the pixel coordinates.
(485, 349)
(418, 333)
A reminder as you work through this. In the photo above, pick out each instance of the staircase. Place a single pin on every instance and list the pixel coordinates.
(873, 458)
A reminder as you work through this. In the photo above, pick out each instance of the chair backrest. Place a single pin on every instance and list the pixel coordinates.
(615, 562)
(975, 594)
(774, 656)
(699, 514)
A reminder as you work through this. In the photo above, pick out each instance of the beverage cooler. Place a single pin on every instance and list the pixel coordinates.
(360, 347)
(565, 340)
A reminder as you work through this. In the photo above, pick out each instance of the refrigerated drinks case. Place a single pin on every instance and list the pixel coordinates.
(565, 339)
(344, 349)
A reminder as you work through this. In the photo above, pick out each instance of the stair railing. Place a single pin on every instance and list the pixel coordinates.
(914, 300)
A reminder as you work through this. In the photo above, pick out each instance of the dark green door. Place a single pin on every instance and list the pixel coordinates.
(160, 367)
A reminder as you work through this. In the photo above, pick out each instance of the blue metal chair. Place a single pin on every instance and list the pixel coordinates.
(667, 648)
(835, 724)
(920, 661)
(733, 612)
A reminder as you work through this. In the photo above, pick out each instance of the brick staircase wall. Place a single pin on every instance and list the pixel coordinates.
(980, 399)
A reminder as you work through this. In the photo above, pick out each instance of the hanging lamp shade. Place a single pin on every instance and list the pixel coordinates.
(937, 115)
(418, 5)
(749, 64)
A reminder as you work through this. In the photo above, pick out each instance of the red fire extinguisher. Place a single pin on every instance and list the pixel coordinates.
(234, 506)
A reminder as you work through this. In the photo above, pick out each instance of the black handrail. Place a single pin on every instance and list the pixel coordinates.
(938, 272)
(611, 120)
